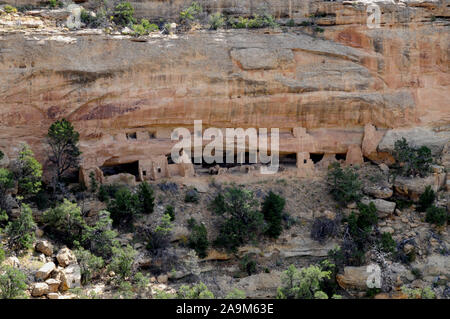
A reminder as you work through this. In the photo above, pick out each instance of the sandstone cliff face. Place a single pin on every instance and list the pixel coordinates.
(332, 84)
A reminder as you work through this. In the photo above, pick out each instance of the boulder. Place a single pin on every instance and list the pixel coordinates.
(66, 257)
(384, 208)
(392, 295)
(39, 289)
(70, 277)
(45, 247)
(434, 265)
(354, 155)
(53, 284)
(163, 279)
(369, 146)
(303, 246)
(262, 285)
(214, 254)
(416, 137)
(413, 187)
(378, 191)
(53, 295)
(354, 278)
(45, 271)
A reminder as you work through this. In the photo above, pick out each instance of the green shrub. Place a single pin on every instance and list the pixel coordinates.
(21, 230)
(100, 238)
(272, 209)
(302, 284)
(191, 13)
(89, 264)
(417, 273)
(123, 14)
(387, 243)
(419, 293)
(436, 215)
(6, 183)
(91, 20)
(216, 21)
(199, 291)
(191, 196)
(344, 184)
(171, 212)
(9, 9)
(65, 222)
(146, 198)
(105, 192)
(2, 254)
(124, 206)
(258, 21)
(93, 182)
(412, 161)
(159, 237)
(248, 265)
(198, 238)
(27, 171)
(242, 220)
(53, 4)
(140, 281)
(144, 28)
(291, 23)
(64, 152)
(329, 285)
(3, 218)
(122, 261)
(360, 225)
(426, 199)
(236, 294)
(12, 283)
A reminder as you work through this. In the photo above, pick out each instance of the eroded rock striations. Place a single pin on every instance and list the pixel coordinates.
(343, 89)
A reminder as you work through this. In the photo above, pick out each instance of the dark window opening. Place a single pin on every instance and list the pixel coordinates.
(316, 158)
(144, 173)
(131, 136)
(152, 135)
(340, 157)
(159, 169)
(130, 168)
(169, 159)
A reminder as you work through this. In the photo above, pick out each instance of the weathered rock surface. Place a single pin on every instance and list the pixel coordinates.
(39, 289)
(45, 271)
(53, 284)
(261, 285)
(333, 85)
(66, 257)
(45, 247)
(384, 207)
(434, 265)
(414, 187)
(70, 277)
(303, 246)
(353, 278)
(416, 137)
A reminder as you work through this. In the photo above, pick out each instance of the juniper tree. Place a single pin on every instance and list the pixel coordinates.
(64, 152)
